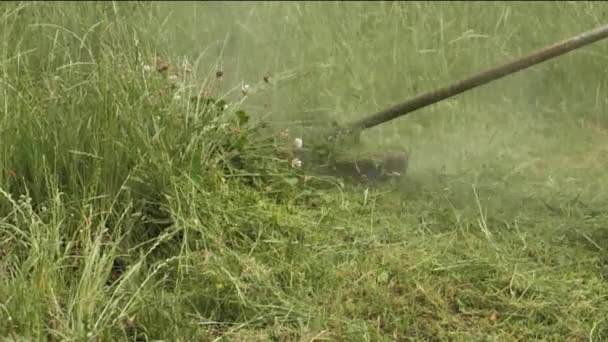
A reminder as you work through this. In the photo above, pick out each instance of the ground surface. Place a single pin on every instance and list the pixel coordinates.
(130, 213)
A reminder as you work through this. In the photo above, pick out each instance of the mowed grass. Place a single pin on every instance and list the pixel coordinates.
(129, 212)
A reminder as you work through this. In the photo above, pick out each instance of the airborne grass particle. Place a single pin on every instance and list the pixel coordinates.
(186, 220)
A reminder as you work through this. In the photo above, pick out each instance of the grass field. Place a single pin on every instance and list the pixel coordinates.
(129, 212)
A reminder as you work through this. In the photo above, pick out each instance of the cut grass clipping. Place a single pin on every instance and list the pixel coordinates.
(152, 187)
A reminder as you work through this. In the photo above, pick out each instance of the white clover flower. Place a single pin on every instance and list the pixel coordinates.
(297, 143)
(187, 67)
(245, 89)
(147, 68)
(296, 163)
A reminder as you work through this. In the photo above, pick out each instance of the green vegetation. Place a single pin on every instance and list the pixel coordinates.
(133, 208)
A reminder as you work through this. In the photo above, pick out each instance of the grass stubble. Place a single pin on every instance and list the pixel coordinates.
(133, 208)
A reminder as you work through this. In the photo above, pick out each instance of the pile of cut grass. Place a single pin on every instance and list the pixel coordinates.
(135, 206)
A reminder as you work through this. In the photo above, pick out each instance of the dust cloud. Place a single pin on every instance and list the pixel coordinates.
(374, 56)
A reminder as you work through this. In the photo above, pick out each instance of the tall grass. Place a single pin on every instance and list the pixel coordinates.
(133, 209)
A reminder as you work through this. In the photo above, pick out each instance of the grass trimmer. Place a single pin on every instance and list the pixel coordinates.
(370, 170)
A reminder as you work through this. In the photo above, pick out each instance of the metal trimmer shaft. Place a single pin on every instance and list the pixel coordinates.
(482, 78)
